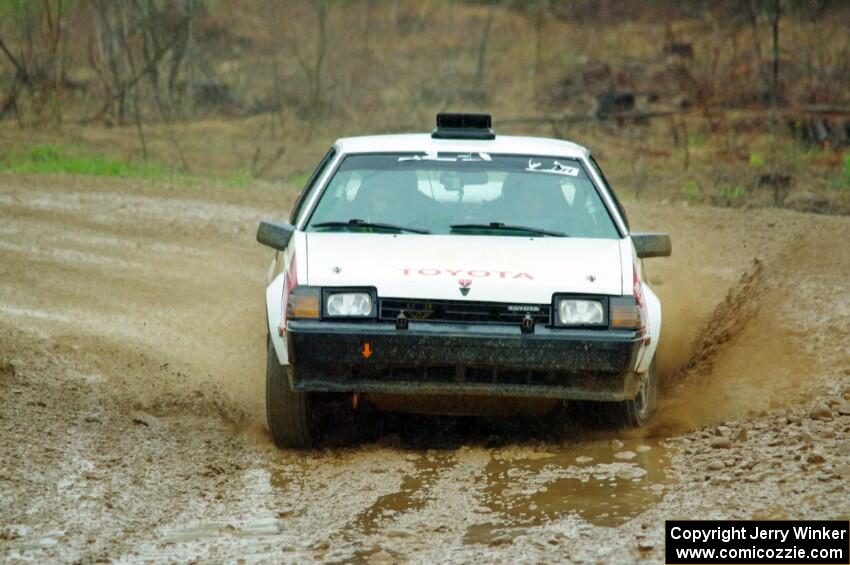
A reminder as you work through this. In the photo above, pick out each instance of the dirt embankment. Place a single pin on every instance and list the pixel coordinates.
(131, 399)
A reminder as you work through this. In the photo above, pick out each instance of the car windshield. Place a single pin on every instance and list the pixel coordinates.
(465, 194)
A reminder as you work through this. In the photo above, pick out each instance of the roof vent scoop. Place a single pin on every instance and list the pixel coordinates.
(463, 126)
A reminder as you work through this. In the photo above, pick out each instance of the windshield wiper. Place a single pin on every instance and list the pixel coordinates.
(358, 223)
(499, 226)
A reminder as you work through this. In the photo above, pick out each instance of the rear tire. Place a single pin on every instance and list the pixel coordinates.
(637, 412)
(289, 413)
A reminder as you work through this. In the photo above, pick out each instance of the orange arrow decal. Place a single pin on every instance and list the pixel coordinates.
(367, 350)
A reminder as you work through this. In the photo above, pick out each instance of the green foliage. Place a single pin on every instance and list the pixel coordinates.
(691, 189)
(732, 193)
(843, 181)
(55, 159)
(569, 58)
(697, 139)
(240, 179)
(19, 8)
(59, 159)
(756, 160)
(300, 180)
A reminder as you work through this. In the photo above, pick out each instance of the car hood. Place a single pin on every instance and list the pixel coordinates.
(492, 268)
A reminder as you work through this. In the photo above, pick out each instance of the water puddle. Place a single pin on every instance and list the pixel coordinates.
(603, 482)
(414, 493)
(380, 497)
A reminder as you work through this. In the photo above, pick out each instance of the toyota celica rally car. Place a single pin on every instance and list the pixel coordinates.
(459, 272)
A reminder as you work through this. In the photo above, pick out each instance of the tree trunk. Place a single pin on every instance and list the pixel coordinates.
(482, 50)
(777, 12)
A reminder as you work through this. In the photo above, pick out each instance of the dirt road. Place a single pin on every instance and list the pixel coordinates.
(131, 399)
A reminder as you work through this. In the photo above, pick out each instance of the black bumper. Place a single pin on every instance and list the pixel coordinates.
(439, 358)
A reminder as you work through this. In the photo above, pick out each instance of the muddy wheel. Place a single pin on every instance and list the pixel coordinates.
(289, 413)
(638, 411)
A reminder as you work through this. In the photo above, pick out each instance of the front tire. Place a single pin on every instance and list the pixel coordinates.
(289, 413)
(637, 412)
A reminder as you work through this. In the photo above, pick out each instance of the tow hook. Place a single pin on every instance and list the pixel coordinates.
(401, 321)
(527, 324)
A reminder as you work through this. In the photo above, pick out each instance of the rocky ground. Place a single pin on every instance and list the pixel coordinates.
(131, 399)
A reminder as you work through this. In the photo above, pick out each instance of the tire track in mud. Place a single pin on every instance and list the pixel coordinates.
(96, 269)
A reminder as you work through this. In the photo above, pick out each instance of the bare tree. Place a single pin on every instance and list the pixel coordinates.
(34, 44)
(311, 66)
(774, 91)
(773, 9)
(480, 66)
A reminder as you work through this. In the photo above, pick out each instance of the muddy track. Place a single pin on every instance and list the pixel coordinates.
(131, 399)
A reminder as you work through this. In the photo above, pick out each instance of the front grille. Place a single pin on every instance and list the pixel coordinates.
(462, 311)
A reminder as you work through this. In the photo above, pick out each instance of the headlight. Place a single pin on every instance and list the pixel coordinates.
(573, 312)
(349, 304)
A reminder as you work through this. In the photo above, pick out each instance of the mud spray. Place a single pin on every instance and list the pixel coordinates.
(746, 358)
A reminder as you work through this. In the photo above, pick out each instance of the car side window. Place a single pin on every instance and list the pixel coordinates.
(611, 192)
(311, 184)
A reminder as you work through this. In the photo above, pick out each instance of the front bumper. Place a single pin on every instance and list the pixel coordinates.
(441, 358)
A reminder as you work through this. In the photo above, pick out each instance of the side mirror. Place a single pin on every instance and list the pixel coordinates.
(275, 234)
(652, 244)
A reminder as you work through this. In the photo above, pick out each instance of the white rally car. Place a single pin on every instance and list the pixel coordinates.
(458, 272)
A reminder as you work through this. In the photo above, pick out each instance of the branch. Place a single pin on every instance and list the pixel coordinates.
(22, 72)
(826, 109)
(567, 118)
(125, 87)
